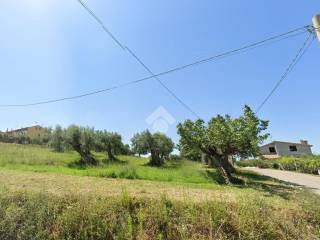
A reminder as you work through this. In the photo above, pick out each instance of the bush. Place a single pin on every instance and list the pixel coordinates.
(276, 165)
(129, 172)
(255, 163)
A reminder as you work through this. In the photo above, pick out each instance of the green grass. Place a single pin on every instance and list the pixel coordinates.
(40, 159)
(303, 164)
(46, 195)
(26, 215)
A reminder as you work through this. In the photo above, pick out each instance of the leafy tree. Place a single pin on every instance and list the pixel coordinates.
(192, 154)
(158, 145)
(56, 141)
(82, 140)
(139, 143)
(110, 142)
(6, 138)
(164, 145)
(223, 137)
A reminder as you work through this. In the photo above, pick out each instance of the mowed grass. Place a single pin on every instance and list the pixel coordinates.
(41, 159)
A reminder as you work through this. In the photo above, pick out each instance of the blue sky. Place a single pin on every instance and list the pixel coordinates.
(53, 48)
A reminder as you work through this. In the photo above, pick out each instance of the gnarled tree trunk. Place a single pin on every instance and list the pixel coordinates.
(227, 164)
(222, 162)
(156, 160)
(86, 156)
(111, 157)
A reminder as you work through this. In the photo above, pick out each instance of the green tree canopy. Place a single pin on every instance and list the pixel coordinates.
(56, 141)
(157, 144)
(223, 137)
(191, 153)
(110, 142)
(82, 140)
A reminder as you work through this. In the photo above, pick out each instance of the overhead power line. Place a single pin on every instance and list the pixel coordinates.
(186, 106)
(245, 48)
(101, 23)
(162, 84)
(307, 43)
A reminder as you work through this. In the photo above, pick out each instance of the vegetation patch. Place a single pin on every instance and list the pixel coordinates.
(25, 215)
(40, 159)
(303, 164)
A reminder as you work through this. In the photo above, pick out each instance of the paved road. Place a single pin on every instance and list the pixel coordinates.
(309, 181)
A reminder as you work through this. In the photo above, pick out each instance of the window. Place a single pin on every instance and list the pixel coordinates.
(272, 150)
(293, 148)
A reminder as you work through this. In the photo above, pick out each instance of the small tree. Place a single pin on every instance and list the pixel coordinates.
(56, 141)
(109, 142)
(139, 143)
(158, 145)
(164, 145)
(82, 141)
(223, 137)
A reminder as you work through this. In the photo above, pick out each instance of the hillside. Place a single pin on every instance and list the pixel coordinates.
(40, 159)
(45, 195)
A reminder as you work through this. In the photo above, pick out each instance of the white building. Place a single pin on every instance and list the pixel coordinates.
(277, 149)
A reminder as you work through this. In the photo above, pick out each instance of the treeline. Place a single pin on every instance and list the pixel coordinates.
(217, 141)
(85, 140)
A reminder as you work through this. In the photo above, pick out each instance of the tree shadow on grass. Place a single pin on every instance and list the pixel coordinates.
(115, 161)
(247, 179)
(265, 184)
(169, 164)
(214, 176)
(101, 163)
(173, 164)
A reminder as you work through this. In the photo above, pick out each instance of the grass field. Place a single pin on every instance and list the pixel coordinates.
(45, 195)
(39, 159)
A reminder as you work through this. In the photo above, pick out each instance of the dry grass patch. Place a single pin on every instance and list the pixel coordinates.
(59, 184)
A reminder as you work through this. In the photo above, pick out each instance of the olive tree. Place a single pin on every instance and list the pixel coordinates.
(109, 142)
(139, 143)
(56, 141)
(224, 137)
(157, 144)
(82, 140)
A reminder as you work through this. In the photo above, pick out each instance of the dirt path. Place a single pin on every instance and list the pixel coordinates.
(309, 181)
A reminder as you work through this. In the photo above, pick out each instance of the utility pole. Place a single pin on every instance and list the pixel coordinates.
(316, 25)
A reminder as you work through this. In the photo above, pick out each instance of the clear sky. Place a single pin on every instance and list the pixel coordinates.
(53, 48)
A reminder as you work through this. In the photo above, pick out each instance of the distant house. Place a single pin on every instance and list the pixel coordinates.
(277, 149)
(30, 132)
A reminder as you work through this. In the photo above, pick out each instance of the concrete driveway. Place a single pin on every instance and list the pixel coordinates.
(311, 182)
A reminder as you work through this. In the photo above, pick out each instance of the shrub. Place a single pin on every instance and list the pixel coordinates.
(129, 172)
(276, 165)
(304, 164)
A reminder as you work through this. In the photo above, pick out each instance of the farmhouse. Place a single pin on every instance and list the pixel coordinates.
(277, 149)
(30, 132)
